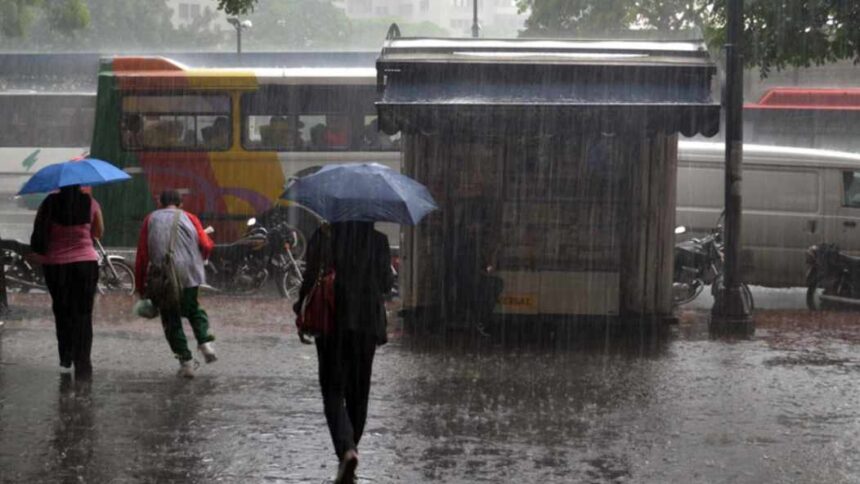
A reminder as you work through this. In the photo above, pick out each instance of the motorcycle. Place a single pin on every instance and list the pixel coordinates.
(832, 278)
(244, 266)
(698, 263)
(24, 273)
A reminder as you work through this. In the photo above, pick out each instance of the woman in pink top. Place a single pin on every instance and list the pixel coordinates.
(63, 234)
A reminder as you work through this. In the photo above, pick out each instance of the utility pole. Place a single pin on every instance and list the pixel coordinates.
(732, 309)
(239, 25)
(476, 29)
(4, 301)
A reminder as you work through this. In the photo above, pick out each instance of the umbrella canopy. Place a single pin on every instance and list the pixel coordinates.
(366, 192)
(85, 171)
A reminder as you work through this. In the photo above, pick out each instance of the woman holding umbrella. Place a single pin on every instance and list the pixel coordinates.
(66, 224)
(352, 197)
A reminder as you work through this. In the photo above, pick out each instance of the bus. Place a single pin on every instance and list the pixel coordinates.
(229, 139)
(37, 129)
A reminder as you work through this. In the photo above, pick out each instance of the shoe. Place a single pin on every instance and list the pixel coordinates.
(346, 470)
(208, 350)
(186, 369)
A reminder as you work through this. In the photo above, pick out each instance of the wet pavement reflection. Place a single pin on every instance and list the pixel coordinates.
(676, 406)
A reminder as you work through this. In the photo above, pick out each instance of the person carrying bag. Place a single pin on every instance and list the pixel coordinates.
(175, 241)
(341, 303)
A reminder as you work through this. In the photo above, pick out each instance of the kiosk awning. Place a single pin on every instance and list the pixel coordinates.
(425, 82)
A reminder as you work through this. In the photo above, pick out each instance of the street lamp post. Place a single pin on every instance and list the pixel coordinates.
(239, 25)
(476, 29)
(732, 309)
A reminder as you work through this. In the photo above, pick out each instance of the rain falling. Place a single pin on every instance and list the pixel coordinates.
(453, 241)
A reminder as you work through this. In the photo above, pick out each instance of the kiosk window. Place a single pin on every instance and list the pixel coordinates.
(851, 189)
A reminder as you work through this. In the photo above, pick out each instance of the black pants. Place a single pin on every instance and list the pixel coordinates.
(73, 289)
(345, 363)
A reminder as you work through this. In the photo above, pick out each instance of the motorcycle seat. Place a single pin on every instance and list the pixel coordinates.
(16, 245)
(850, 260)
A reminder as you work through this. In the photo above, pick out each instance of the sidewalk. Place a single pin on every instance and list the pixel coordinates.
(780, 407)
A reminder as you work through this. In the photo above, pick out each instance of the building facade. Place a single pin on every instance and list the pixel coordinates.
(497, 18)
(185, 12)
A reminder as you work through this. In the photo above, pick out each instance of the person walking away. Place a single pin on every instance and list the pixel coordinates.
(191, 246)
(361, 259)
(63, 232)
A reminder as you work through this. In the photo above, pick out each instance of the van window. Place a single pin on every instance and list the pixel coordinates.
(779, 190)
(775, 190)
(851, 189)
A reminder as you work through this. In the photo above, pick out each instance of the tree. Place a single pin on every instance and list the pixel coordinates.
(297, 24)
(237, 7)
(778, 34)
(16, 16)
(123, 25)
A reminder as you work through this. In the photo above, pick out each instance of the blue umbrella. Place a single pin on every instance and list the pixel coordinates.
(366, 192)
(84, 171)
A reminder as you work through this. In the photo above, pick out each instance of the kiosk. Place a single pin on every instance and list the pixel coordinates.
(554, 166)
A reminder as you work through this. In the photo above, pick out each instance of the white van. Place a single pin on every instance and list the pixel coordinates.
(792, 198)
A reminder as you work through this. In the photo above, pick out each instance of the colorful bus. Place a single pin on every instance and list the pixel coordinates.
(37, 129)
(228, 139)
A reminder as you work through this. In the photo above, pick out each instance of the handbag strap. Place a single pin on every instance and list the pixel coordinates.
(327, 255)
(173, 230)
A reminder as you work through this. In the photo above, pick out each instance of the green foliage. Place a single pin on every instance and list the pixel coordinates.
(777, 33)
(16, 16)
(236, 7)
(115, 25)
(67, 16)
(296, 24)
(136, 25)
(316, 24)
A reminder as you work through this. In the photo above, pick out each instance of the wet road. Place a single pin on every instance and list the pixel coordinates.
(782, 407)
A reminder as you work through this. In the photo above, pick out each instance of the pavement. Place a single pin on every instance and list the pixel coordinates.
(682, 407)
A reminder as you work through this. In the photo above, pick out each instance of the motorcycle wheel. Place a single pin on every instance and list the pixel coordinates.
(289, 283)
(692, 293)
(297, 218)
(215, 284)
(745, 291)
(123, 282)
(748, 295)
(16, 269)
(814, 290)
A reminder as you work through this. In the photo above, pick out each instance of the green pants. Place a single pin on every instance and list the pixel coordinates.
(172, 321)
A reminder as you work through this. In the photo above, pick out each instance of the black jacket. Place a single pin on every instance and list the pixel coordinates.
(362, 261)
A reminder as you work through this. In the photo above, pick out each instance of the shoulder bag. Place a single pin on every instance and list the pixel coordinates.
(162, 280)
(316, 316)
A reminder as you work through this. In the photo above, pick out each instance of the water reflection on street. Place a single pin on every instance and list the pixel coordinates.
(679, 407)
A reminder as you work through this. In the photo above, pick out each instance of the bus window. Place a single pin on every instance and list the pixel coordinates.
(182, 121)
(265, 132)
(373, 139)
(324, 132)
